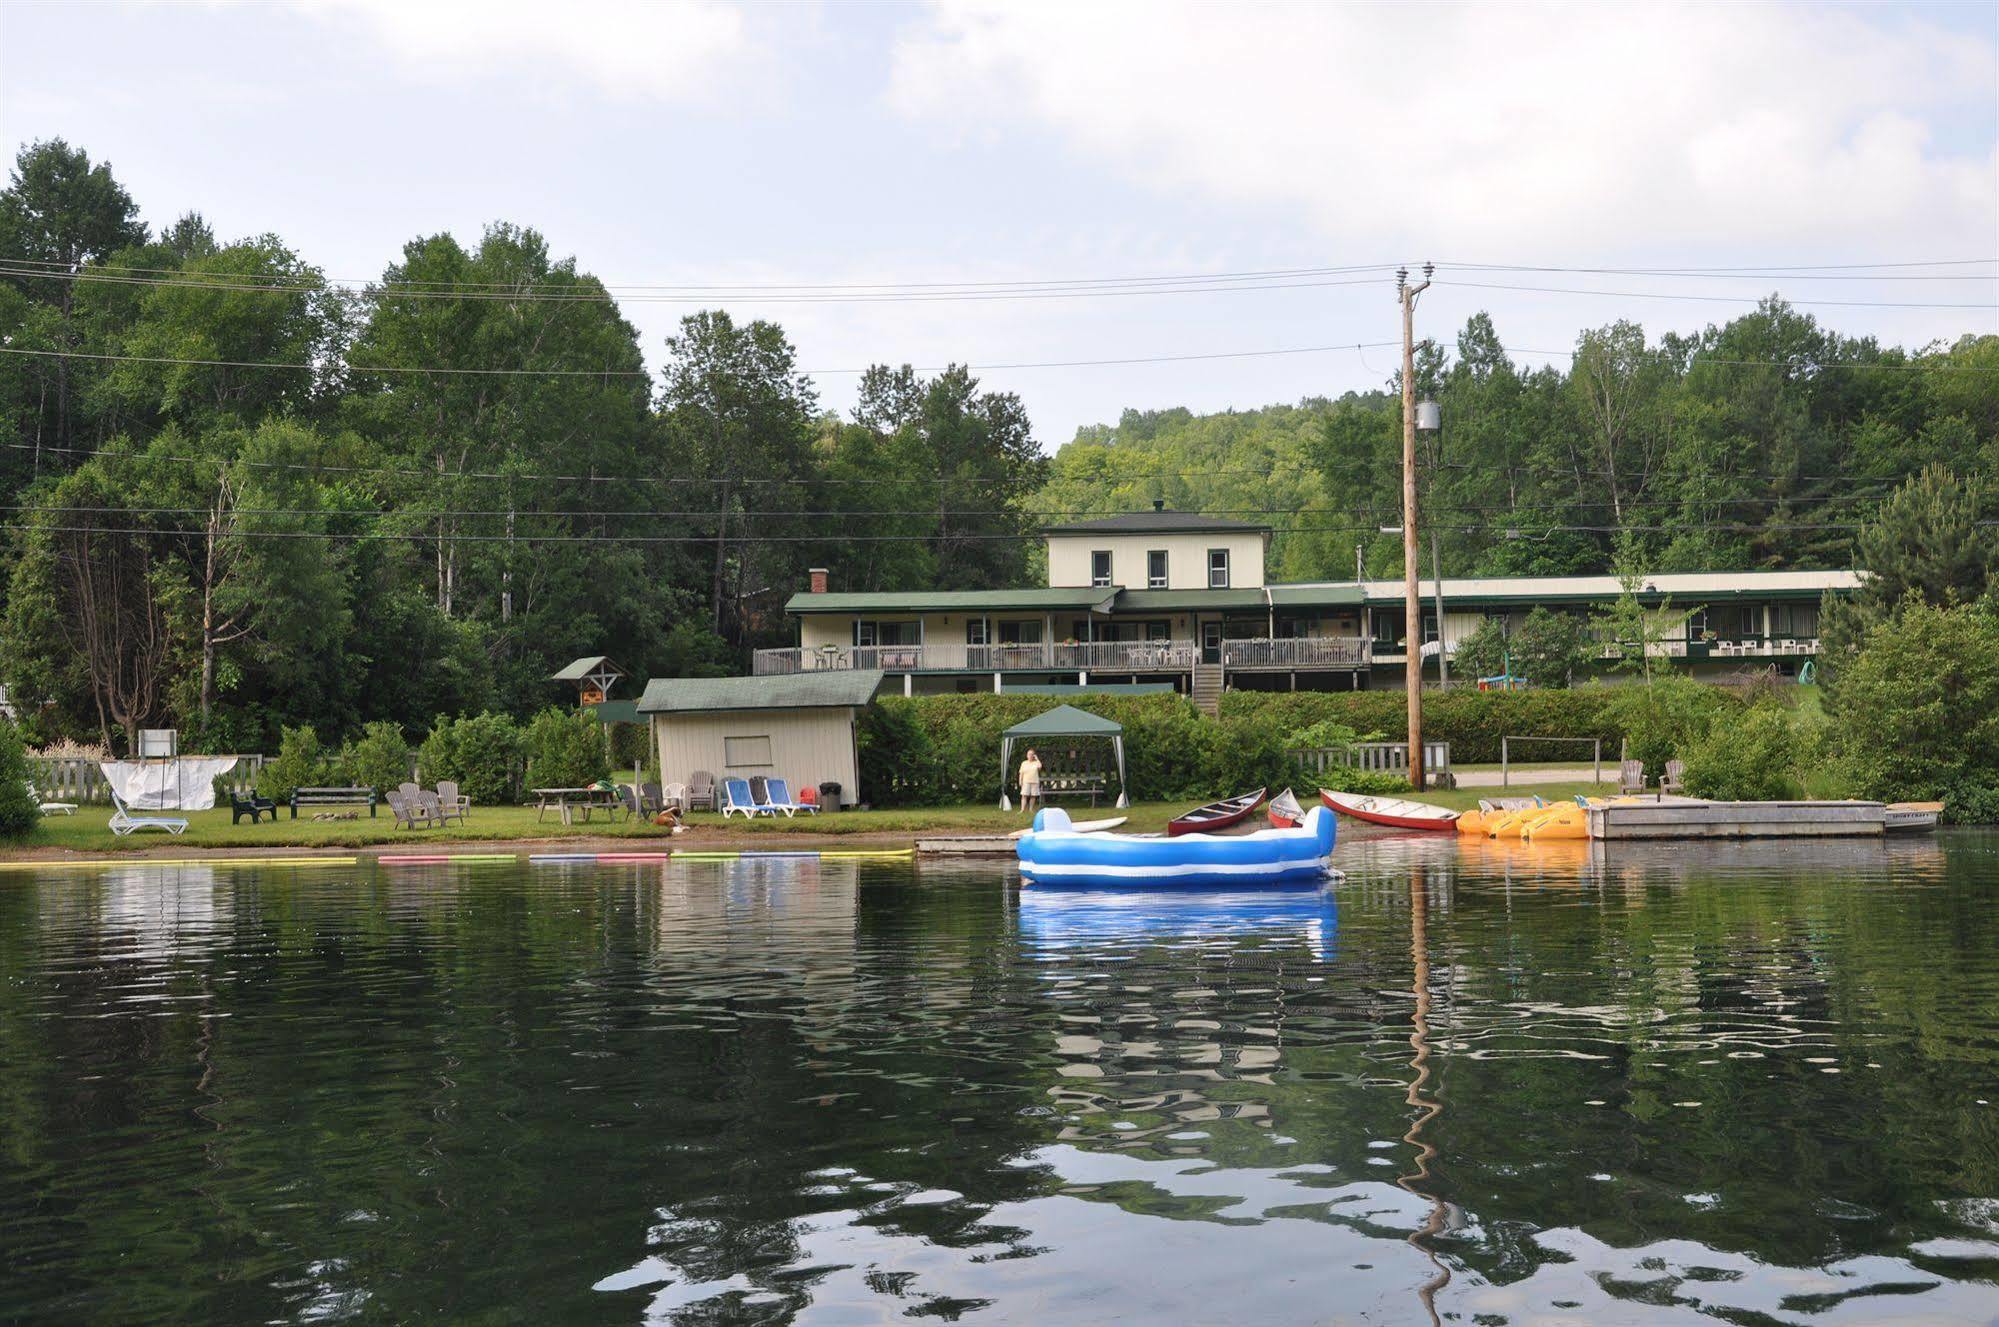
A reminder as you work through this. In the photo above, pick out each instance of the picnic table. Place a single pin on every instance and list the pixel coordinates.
(567, 801)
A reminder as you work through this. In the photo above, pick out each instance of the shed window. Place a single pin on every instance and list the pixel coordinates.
(746, 752)
(1155, 569)
(1218, 569)
(1100, 567)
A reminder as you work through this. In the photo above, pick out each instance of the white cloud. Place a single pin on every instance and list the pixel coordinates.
(1501, 131)
(630, 49)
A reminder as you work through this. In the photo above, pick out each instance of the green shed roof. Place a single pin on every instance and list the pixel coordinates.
(848, 688)
(1066, 721)
(616, 711)
(1317, 596)
(1031, 599)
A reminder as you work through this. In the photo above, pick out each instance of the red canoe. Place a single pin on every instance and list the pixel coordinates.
(1390, 811)
(1216, 815)
(1285, 813)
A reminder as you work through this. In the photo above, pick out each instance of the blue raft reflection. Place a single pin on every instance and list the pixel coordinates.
(1083, 917)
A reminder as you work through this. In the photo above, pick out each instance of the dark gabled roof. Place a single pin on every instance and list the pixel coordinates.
(1157, 522)
(1032, 599)
(833, 688)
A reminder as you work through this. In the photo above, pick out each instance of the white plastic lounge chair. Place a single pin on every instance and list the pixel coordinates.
(736, 799)
(779, 793)
(47, 807)
(123, 822)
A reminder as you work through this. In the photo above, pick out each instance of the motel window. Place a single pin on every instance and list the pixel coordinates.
(1387, 624)
(1218, 569)
(975, 631)
(1100, 567)
(746, 752)
(1020, 633)
(1155, 569)
(1697, 624)
(1797, 621)
(886, 633)
(1429, 627)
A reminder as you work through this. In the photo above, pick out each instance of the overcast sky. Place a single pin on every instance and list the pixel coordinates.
(971, 142)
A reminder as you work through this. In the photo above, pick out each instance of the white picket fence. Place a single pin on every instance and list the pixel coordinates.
(78, 778)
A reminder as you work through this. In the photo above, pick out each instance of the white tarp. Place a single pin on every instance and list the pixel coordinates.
(186, 783)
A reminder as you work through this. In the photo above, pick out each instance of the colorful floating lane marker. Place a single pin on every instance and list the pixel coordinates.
(60, 863)
(754, 855)
(434, 859)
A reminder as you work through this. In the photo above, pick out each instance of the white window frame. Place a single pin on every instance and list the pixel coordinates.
(1099, 579)
(1220, 555)
(1155, 580)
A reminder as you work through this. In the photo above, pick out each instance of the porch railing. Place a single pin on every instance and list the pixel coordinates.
(1105, 656)
(1298, 652)
(1382, 757)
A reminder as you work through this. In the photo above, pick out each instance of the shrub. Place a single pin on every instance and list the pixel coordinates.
(1665, 720)
(378, 759)
(1484, 653)
(1748, 759)
(1916, 715)
(19, 812)
(1549, 648)
(301, 763)
(566, 749)
(481, 754)
(1471, 721)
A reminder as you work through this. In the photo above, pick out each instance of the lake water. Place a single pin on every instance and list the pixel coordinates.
(1498, 1084)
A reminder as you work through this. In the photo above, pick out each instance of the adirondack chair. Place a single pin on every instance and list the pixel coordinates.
(434, 807)
(776, 796)
(123, 822)
(454, 802)
(736, 799)
(1675, 778)
(652, 800)
(1631, 777)
(409, 813)
(701, 791)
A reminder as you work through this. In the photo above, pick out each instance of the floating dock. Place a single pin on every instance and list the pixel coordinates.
(1692, 818)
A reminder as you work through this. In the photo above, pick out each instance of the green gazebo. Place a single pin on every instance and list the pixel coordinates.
(1052, 726)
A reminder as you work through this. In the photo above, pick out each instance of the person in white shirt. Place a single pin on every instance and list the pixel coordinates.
(1030, 782)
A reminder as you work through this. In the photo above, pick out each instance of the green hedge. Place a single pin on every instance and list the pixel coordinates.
(1471, 721)
(938, 750)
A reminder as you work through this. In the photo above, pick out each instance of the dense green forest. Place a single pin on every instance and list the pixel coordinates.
(241, 495)
(1757, 444)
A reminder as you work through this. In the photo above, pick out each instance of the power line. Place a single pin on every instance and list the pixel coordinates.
(1721, 299)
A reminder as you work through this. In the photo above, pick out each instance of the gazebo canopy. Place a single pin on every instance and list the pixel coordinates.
(1066, 721)
(1062, 721)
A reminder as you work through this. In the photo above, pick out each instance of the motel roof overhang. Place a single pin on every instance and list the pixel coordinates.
(1091, 599)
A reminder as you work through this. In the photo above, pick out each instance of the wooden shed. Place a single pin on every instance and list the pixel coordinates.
(798, 727)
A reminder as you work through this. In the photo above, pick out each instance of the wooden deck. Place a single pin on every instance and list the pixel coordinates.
(1692, 818)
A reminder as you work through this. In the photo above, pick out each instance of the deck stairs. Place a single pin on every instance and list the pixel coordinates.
(1208, 688)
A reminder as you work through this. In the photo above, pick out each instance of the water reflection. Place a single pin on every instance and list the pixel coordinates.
(1746, 1083)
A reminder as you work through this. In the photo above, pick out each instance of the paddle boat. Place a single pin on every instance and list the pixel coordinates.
(1910, 817)
(1391, 811)
(1053, 853)
(1480, 820)
(1216, 815)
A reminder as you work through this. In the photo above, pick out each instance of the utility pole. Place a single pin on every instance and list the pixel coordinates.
(1412, 602)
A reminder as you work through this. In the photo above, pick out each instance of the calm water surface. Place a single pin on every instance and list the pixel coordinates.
(1475, 1084)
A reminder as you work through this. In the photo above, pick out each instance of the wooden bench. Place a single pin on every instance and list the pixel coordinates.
(1071, 788)
(333, 797)
(254, 807)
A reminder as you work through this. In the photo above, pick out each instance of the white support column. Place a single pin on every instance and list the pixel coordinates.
(996, 682)
(908, 684)
(1082, 677)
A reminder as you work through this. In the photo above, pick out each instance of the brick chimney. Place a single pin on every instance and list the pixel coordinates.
(818, 575)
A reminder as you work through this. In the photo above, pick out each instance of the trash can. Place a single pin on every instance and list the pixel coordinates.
(829, 796)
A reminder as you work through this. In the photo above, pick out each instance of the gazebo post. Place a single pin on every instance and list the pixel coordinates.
(1006, 759)
(1123, 796)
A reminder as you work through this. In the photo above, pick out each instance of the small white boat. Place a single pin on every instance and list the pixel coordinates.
(1910, 817)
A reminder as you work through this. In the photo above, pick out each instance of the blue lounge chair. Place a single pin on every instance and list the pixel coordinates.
(776, 797)
(123, 822)
(780, 792)
(736, 799)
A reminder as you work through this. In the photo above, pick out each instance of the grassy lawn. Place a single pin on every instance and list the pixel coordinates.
(87, 831)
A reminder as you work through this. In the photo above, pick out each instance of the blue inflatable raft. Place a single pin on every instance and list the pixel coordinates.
(1053, 853)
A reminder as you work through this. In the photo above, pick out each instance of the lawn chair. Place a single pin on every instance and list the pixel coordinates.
(736, 799)
(434, 807)
(1631, 777)
(808, 799)
(676, 795)
(123, 822)
(628, 797)
(47, 807)
(652, 800)
(409, 814)
(1675, 778)
(701, 791)
(455, 803)
(775, 796)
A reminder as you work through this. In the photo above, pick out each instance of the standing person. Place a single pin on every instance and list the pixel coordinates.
(1030, 782)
